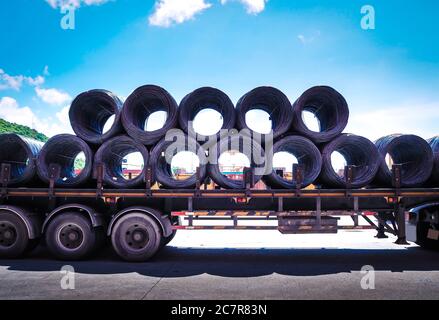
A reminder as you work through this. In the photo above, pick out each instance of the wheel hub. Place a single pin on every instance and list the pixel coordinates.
(8, 234)
(136, 236)
(71, 236)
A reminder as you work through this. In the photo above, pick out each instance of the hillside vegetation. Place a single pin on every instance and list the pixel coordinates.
(9, 127)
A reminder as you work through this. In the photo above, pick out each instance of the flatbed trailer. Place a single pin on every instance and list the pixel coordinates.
(149, 217)
(139, 222)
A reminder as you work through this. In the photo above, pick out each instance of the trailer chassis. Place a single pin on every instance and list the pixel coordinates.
(296, 211)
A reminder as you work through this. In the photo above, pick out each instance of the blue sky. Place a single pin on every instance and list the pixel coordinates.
(390, 75)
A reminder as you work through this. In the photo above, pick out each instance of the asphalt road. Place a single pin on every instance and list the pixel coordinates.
(237, 265)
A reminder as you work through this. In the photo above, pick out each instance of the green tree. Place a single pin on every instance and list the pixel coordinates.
(9, 127)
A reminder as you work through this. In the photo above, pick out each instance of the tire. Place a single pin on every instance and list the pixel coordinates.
(421, 236)
(83, 238)
(166, 240)
(14, 238)
(134, 249)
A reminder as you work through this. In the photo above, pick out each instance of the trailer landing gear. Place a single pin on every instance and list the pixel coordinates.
(136, 237)
(381, 233)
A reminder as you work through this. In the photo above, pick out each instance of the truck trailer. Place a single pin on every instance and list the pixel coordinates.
(74, 223)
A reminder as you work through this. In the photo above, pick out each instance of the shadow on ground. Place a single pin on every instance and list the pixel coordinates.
(182, 262)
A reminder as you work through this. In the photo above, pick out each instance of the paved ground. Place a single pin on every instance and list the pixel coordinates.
(261, 265)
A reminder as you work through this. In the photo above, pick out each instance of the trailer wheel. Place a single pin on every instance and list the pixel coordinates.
(14, 238)
(166, 240)
(70, 236)
(136, 237)
(421, 234)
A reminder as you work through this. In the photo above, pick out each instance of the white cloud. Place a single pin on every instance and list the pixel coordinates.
(417, 118)
(53, 96)
(55, 4)
(37, 81)
(9, 82)
(11, 111)
(169, 12)
(251, 6)
(308, 39)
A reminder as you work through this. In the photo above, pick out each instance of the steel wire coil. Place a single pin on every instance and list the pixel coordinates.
(90, 111)
(413, 153)
(140, 104)
(328, 106)
(359, 152)
(270, 100)
(308, 158)
(242, 144)
(201, 99)
(111, 154)
(62, 150)
(165, 150)
(20, 153)
(434, 144)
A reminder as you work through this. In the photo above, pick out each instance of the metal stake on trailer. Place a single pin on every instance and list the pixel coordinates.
(54, 175)
(99, 176)
(5, 177)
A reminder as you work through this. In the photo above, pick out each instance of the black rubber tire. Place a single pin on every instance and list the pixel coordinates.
(166, 240)
(421, 236)
(59, 247)
(126, 227)
(21, 242)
